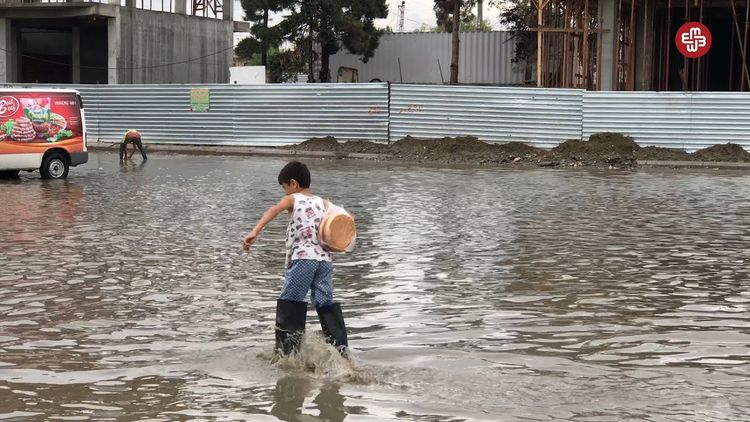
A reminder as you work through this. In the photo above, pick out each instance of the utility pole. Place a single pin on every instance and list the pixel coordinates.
(480, 20)
(401, 11)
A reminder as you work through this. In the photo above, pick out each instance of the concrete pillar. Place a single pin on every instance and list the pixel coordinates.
(14, 73)
(6, 52)
(608, 21)
(644, 46)
(113, 48)
(229, 10)
(76, 56)
(129, 3)
(180, 7)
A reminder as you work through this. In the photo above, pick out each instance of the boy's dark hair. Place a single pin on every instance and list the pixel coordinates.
(297, 171)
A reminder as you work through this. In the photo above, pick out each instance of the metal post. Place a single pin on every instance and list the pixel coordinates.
(668, 44)
(698, 81)
(619, 57)
(566, 47)
(645, 37)
(577, 55)
(586, 44)
(600, 42)
(684, 77)
(630, 80)
(744, 44)
(731, 62)
(539, 22)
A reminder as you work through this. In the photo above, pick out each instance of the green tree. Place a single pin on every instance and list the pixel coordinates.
(449, 14)
(333, 24)
(474, 26)
(427, 28)
(263, 37)
(249, 50)
(284, 66)
(519, 16)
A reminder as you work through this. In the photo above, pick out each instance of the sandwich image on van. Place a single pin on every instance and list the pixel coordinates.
(41, 130)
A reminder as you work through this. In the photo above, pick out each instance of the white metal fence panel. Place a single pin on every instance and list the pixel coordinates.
(718, 118)
(288, 113)
(160, 112)
(281, 114)
(685, 121)
(257, 115)
(425, 58)
(540, 117)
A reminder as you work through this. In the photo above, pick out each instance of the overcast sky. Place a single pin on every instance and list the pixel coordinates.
(418, 13)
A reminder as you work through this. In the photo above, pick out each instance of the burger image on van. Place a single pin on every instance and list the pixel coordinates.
(57, 123)
(41, 129)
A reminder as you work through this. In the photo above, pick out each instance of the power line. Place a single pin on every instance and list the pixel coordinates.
(412, 20)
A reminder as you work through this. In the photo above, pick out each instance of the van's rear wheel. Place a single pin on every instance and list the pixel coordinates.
(54, 166)
(9, 174)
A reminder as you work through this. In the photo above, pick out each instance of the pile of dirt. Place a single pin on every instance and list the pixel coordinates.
(601, 148)
(328, 144)
(331, 144)
(663, 154)
(364, 147)
(519, 149)
(725, 152)
(464, 150)
(445, 149)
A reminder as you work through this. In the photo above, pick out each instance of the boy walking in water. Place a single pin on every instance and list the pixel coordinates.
(309, 265)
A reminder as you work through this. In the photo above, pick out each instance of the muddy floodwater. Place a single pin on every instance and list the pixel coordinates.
(493, 295)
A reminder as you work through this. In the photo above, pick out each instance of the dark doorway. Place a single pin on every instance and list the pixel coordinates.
(94, 47)
(46, 55)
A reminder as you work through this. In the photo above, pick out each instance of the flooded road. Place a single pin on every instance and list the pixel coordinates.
(534, 295)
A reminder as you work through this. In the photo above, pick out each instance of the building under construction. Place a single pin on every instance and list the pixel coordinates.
(626, 45)
(116, 41)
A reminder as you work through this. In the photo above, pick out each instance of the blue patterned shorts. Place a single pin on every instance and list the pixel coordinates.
(307, 275)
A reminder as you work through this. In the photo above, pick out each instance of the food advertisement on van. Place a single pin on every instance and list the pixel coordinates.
(31, 122)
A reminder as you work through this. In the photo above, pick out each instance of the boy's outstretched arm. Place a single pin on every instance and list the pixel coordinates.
(286, 203)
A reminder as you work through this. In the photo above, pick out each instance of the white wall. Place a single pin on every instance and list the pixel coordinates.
(247, 75)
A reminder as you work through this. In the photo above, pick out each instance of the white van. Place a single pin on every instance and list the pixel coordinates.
(41, 129)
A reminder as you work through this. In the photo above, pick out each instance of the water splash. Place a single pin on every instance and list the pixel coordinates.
(318, 357)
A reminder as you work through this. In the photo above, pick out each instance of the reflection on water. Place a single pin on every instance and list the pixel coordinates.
(473, 295)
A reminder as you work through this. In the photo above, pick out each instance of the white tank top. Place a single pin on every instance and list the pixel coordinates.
(302, 233)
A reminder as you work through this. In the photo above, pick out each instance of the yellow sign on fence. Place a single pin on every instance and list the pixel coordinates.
(199, 99)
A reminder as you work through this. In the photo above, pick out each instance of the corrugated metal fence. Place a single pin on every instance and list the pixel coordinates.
(239, 115)
(541, 117)
(267, 115)
(686, 121)
(425, 57)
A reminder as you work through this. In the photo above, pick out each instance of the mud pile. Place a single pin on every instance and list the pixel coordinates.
(612, 150)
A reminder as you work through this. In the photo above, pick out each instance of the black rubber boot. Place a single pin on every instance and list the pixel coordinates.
(290, 325)
(332, 322)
